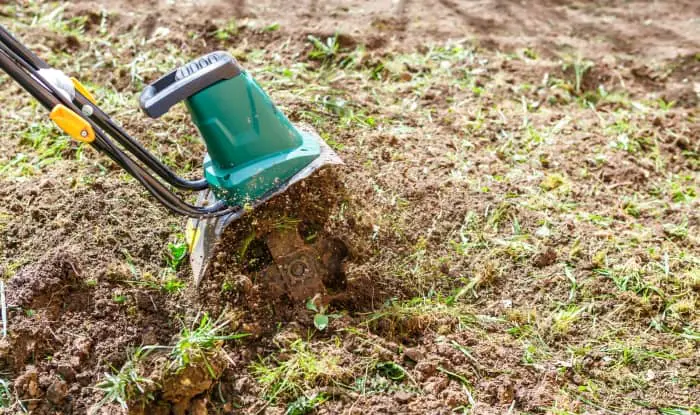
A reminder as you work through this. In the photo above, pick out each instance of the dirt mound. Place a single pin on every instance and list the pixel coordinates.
(303, 228)
(69, 327)
(67, 330)
(38, 287)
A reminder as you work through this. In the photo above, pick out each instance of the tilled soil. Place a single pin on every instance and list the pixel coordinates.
(67, 328)
(471, 240)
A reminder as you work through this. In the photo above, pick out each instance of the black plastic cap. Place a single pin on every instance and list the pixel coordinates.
(187, 80)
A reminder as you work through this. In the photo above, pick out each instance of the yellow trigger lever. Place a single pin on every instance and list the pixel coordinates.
(72, 124)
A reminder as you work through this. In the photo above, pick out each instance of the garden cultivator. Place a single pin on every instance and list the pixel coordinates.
(253, 151)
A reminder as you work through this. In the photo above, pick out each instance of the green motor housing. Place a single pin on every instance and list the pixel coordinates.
(252, 148)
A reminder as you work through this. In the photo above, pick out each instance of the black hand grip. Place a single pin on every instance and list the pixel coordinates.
(180, 84)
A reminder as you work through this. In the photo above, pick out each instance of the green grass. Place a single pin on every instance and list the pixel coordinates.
(677, 231)
(6, 397)
(44, 146)
(563, 320)
(306, 404)
(404, 319)
(199, 342)
(128, 384)
(324, 51)
(625, 355)
(301, 369)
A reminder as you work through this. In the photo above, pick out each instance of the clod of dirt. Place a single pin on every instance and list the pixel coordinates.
(57, 392)
(66, 372)
(43, 286)
(27, 384)
(403, 397)
(436, 386)
(414, 354)
(198, 407)
(545, 258)
(183, 386)
(499, 390)
(242, 283)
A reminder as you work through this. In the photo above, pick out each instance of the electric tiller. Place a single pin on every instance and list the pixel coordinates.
(253, 151)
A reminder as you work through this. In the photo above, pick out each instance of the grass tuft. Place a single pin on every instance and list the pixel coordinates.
(126, 385)
(297, 368)
(201, 341)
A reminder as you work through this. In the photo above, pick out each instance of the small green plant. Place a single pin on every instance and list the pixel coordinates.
(304, 405)
(198, 343)
(227, 31)
(529, 354)
(5, 395)
(552, 181)
(119, 298)
(227, 287)
(677, 231)
(631, 208)
(173, 285)
(177, 251)
(530, 53)
(563, 320)
(477, 90)
(581, 67)
(665, 105)
(324, 51)
(321, 319)
(391, 370)
(124, 385)
(682, 194)
(272, 27)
